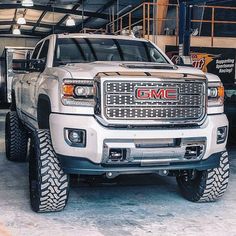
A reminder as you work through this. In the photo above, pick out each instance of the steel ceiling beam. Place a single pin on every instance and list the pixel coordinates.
(100, 10)
(25, 11)
(14, 19)
(25, 32)
(55, 10)
(69, 29)
(29, 23)
(39, 20)
(75, 7)
(50, 2)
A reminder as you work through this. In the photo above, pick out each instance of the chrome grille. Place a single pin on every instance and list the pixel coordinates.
(119, 101)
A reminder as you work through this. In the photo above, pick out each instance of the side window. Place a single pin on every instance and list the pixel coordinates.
(36, 51)
(44, 51)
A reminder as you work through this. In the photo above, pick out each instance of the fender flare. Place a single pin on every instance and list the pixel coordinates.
(43, 111)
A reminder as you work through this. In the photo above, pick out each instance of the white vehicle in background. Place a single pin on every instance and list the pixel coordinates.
(10, 64)
(112, 105)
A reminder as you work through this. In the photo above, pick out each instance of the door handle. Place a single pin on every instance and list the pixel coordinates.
(28, 82)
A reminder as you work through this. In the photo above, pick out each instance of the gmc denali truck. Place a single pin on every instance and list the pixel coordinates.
(112, 105)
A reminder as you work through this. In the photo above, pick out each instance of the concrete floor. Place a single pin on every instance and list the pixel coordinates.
(143, 205)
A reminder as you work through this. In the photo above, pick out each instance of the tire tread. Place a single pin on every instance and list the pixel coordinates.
(53, 186)
(16, 138)
(210, 185)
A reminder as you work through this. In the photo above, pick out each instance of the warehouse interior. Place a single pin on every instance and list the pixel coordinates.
(198, 34)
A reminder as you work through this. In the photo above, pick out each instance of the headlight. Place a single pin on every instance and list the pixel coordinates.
(78, 92)
(215, 94)
(84, 91)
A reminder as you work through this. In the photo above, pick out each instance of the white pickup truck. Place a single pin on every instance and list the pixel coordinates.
(111, 105)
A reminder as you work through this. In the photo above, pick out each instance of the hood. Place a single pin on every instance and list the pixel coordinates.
(90, 70)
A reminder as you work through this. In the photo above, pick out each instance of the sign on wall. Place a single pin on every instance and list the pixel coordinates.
(219, 61)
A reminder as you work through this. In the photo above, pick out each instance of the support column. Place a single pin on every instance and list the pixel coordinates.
(162, 10)
(182, 20)
(188, 29)
(185, 16)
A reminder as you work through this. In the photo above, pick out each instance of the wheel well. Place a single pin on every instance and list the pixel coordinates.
(43, 111)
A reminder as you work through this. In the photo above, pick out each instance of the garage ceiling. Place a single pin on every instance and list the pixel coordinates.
(48, 16)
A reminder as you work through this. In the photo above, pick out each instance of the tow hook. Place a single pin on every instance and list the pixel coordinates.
(163, 172)
(111, 175)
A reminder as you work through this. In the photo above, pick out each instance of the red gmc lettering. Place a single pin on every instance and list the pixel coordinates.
(162, 93)
(143, 93)
(171, 94)
(157, 94)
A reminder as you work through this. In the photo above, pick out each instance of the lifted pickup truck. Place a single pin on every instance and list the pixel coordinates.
(112, 105)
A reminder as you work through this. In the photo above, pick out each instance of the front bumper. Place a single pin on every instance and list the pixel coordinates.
(97, 136)
(82, 166)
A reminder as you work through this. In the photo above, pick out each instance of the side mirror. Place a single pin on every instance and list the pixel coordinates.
(19, 65)
(37, 65)
(24, 65)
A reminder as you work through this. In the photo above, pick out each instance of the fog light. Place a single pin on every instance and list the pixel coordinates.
(192, 152)
(221, 134)
(116, 154)
(76, 137)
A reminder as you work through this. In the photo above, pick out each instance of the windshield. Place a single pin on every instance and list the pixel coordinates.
(72, 50)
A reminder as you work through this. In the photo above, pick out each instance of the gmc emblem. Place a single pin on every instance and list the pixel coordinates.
(156, 93)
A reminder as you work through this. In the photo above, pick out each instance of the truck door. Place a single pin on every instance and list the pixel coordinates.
(36, 79)
(26, 107)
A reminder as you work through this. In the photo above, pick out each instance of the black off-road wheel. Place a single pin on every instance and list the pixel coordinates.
(16, 138)
(205, 186)
(49, 185)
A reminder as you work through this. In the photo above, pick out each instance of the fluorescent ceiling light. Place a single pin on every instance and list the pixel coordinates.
(21, 21)
(16, 31)
(70, 21)
(27, 3)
